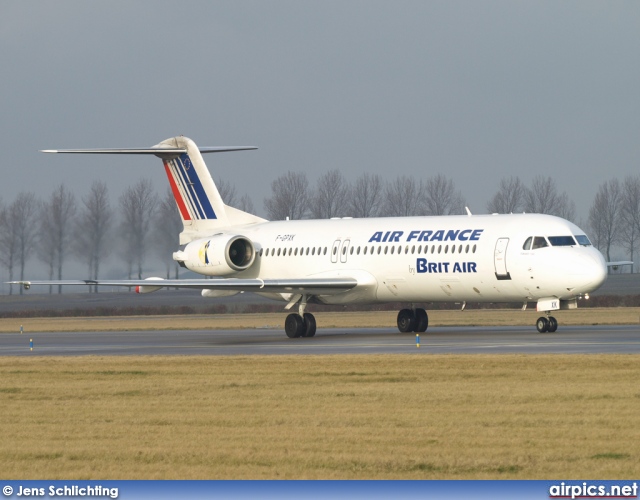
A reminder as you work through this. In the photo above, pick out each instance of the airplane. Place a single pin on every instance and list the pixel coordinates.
(458, 258)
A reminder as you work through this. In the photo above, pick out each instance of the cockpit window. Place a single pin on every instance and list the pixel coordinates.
(527, 244)
(562, 241)
(539, 242)
(583, 240)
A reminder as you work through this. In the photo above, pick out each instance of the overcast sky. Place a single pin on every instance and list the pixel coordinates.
(477, 90)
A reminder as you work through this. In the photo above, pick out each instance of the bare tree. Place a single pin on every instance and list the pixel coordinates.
(290, 197)
(92, 242)
(366, 196)
(630, 214)
(566, 208)
(168, 225)
(8, 243)
(246, 204)
(330, 198)
(604, 215)
(441, 197)
(227, 192)
(404, 197)
(61, 210)
(46, 235)
(137, 203)
(509, 198)
(19, 233)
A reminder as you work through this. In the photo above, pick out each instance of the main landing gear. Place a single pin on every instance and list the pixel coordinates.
(413, 320)
(549, 324)
(300, 324)
(297, 325)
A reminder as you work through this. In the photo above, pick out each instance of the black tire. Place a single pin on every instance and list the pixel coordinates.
(309, 325)
(553, 324)
(406, 321)
(422, 320)
(542, 325)
(294, 326)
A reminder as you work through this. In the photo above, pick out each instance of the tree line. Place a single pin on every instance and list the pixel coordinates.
(90, 229)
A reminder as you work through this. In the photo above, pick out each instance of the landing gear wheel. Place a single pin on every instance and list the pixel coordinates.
(406, 321)
(294, 326)
(309, 325)
(422, 320)
(553, 324)
(542, 325)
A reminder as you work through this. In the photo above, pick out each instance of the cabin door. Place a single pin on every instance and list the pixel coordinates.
(500, 259)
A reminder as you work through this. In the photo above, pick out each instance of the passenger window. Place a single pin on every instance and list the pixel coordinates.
(392, 249)
(466, 250)
(527, 244)
(474, 248)
(539, 242)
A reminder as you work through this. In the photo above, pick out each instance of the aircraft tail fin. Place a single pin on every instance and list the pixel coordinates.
(199, 202)
(197, 197)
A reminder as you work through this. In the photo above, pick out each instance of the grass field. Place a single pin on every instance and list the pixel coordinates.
(483, 317)
(365, 416)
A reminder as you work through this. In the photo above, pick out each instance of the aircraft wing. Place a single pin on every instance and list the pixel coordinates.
(311, 286)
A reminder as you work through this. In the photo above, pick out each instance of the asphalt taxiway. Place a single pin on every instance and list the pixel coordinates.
(438, 340)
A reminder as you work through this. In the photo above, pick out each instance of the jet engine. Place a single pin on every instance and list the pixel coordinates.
(219, 255)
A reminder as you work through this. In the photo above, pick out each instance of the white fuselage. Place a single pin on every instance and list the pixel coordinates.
(479, 258)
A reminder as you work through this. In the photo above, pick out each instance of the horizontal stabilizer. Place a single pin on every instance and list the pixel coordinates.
(147, 151)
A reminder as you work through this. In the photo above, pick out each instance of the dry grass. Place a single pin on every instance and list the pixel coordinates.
(497, 317)
(415, 416)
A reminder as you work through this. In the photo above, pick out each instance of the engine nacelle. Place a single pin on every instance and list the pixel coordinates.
(220, 255)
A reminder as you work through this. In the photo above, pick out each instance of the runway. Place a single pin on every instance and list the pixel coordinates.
(438, 340)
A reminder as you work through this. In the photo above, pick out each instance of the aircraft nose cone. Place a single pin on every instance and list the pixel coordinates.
(594, 272)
